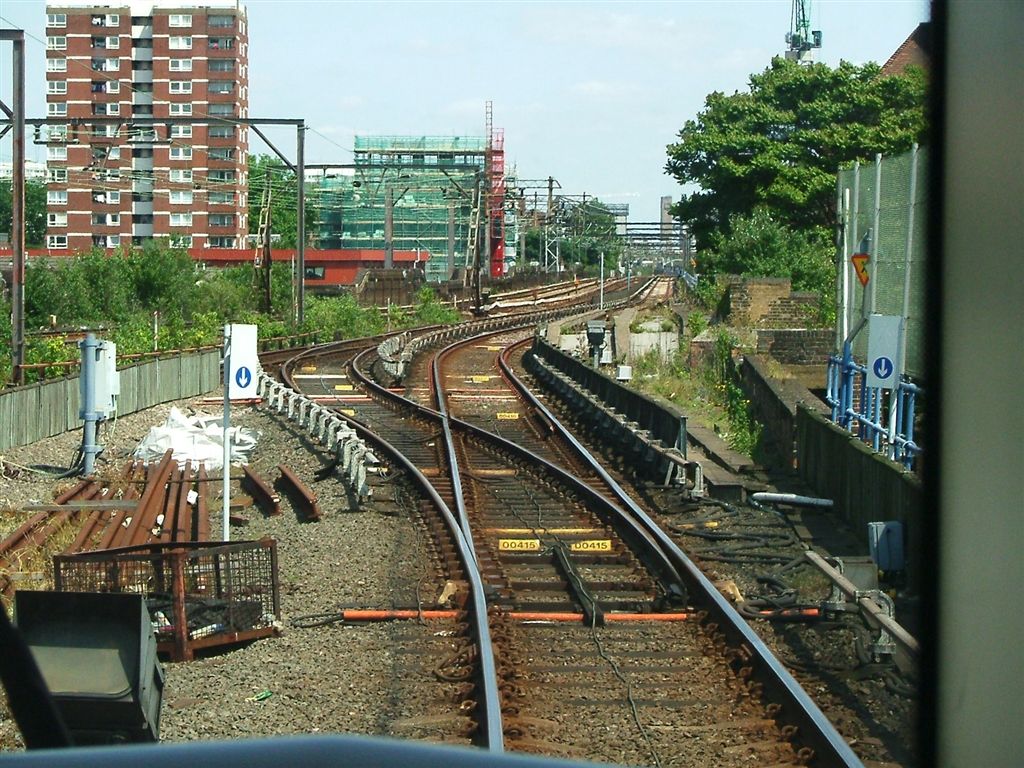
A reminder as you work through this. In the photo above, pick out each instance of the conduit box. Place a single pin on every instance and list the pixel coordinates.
(885, 541)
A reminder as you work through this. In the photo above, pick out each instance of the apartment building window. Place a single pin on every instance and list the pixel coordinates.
(180, 176)
(142, 151)
(138, 88)
(221, 43)
(222, 131)
(142, 21)
(56, 220)
(142, 197)
(221, 65)
(109, 43)
(106, 219)
(221, 176)
(181, 197)
(142, 66)
(110, 174)
(56, 19)
(181, 131)
(57, 241)
(57, 86)
(109, 20)
(56, 109)
(57, 175)
(177, 43)
(142, 42)
(59, 152)
(222, 220)
(181, 86)
(103, 131)
(142, 218)
(178, 110)
(221, 110)
(181, 220)
(181, 241)
(221, 86)
(180, 20)
(218, 197)
(221, 242)
(106, 65)
(142, 109)
(221, 153)
(106, 109)
(56, 65)
(105, 197)
(106, 241)
(181, 153)
(221, 22)
(56, 43)
(180, 65)
(56, 197)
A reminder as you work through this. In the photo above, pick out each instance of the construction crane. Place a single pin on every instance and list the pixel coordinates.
(801, 40)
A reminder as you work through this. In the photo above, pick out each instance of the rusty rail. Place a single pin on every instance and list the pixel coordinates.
(307, 500)
(264, 496)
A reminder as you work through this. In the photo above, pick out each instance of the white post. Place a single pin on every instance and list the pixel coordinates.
(601, 306)
(876, 232)
(225, 517)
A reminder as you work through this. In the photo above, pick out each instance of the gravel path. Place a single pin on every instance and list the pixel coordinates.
(369, 679)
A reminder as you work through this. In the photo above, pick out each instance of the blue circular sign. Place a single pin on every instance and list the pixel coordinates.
(243, 376)
(883, 367)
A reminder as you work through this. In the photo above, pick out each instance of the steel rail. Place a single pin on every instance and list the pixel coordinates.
(816, 729)
(491, 727)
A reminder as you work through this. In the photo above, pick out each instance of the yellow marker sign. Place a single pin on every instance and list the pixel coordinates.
(343, 387)
(308, 368)
(481, 379)
(510, 416)
(519, 545)
(348, 411)
(591, 545)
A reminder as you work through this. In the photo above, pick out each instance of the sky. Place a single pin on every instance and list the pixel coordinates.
(590, 93)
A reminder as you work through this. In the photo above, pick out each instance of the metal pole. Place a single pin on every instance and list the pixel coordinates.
(876, 239)
(88, 408)
(389, 228)
(300, 245)
(907, 260)
(854, 231)
(451, 239)
(601, 305)
(18, 207)
(225, 430)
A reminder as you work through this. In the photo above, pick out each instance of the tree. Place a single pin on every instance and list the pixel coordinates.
(35, 212)
(780, 144)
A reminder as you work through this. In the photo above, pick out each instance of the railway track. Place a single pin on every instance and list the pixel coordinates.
(607, 642)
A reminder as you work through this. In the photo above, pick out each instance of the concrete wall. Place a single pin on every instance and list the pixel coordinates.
(864, 485)
(50, 408)
(774, 402)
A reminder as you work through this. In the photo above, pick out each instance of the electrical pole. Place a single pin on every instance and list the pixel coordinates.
(389, 228)
(451, 238)
(17, 115)
(300, 245)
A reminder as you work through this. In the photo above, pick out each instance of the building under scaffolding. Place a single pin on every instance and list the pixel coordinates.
(407, 193)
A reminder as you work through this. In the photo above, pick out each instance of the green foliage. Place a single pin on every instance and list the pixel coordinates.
(759, 245)
(341, 317)
(696, 322)
(780, 143)
(430, 311)
(35, 211)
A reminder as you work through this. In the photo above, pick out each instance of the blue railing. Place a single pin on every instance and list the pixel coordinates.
(868, 413)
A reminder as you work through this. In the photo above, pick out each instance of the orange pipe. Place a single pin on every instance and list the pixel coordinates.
(362, 614)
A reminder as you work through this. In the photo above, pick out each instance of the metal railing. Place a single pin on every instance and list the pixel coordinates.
(886, 423)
